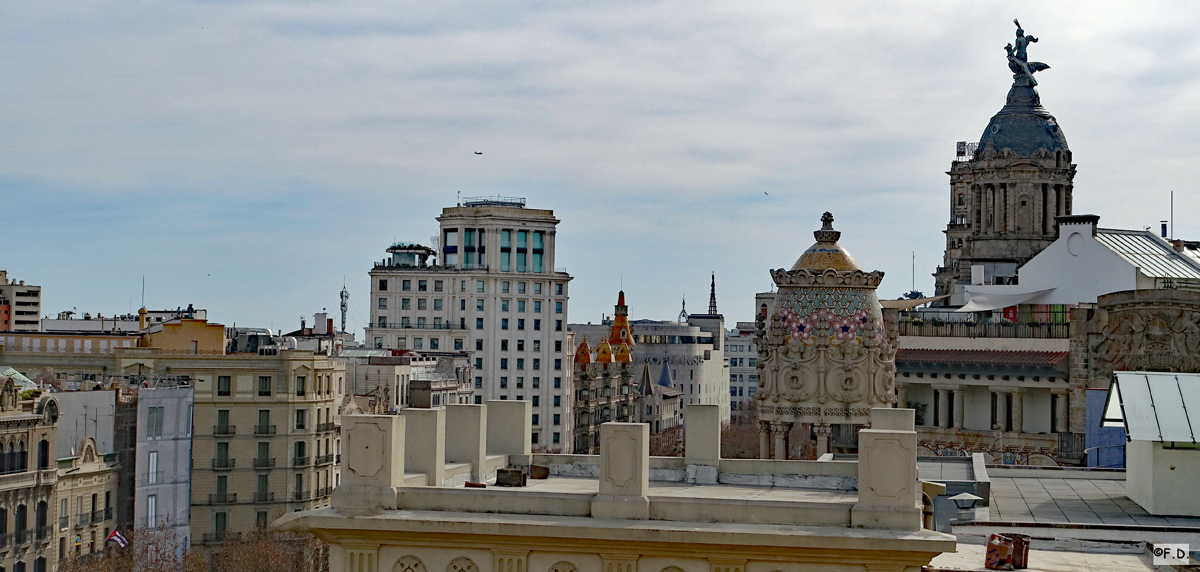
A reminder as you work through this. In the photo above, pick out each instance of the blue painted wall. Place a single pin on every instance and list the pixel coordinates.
(1097, 436)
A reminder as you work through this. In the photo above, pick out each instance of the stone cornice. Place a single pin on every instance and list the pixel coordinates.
(827, 277)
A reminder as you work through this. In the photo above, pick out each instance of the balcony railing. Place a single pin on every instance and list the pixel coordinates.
(222, 498)
(403, 326)
(300, 461)
(64, 521)
(97, 516)
(264, 429)
(222, 464)
(24, 536)
(300, 495)
(938, 328)
(22, 479)
(264, 496)
(321, 427)
(83, 519)
(324, 459)
(45, 533)
(324, 492)
(264, 463)
(224, 429)
(108, 513)
(225, 536)
(153, 477)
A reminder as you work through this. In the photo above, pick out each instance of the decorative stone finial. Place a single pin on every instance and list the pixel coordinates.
(827, 234)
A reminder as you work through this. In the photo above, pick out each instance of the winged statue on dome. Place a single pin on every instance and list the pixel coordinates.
(1018, 58)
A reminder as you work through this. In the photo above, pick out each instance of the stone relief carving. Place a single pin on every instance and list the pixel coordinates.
(462, 564)
(1140, 339)
(408, 563)
(563, 566)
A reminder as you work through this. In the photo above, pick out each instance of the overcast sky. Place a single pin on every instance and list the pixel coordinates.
(247, 156)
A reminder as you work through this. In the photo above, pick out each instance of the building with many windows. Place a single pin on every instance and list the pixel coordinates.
(20, 305)
(164, 459)
(490, 289)
(743, 358)
(27, 489)
(87, 496)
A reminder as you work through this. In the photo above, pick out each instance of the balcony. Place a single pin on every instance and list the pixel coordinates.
(224, 430)
(403, 326)
(324, 459)
(222, 464)
(47, 476)
(939, 328)
(108, 513)
(301, 461)
(83, 519)
(97, 516)
(23, 536)
(17, 480)
(301, 495)
(222, 498)
(264, 463)
(223, 536)
(64, 522)
(264, 496)
(324, 492)
(264, 429)
(322, 427)
(153, 478)
(45, 533)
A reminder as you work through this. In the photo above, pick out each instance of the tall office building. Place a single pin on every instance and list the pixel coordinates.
(489, 288)
(20, 305)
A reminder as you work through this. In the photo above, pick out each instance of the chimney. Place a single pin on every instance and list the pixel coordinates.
(142, 318)
(1090, 220)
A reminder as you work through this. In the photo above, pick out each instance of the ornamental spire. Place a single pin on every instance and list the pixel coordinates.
(712, 296)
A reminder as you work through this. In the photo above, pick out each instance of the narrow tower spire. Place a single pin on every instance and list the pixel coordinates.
(712, 296)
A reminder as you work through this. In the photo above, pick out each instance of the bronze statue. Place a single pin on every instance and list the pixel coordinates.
(1018, 58)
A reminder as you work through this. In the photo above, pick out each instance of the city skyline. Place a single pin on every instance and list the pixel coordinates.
(245, 159)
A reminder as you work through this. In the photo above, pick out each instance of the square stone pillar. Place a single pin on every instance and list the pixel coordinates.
(824, 432)
(466, 437)
(702, 442)
(624, 472)
(373, 462)
(889, 493)
(425, 443)
(764, 440)
(1018, 410)
(901, 395)
(1001, 409)
(510, 428)
(959, 408)
(943, 397)
(1060, 411)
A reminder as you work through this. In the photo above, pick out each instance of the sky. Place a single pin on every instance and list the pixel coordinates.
(251, 157)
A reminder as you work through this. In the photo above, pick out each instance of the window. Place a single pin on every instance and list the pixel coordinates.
(260, 519)
(556, 437)
(479, 304)
(520, 384)
(504, 305)
(537, 305)
(535, 422)
(535, 401)
(418, 343)
(479, 285)
(557, 381)
(504, 323)
(520, 305)
(520, 287)
(558, 289)
(520, 323)
(437, 285)
(537, 287)
(558, 345)
(557, 401)
(478, 323)
(458, 344)
(534, 437)
(422, 304)
(478, 383)
(520, 363)
(537, 382)
(406, 285)
(151, 510)
(382, 285)
(462, 305)
(537, 363)
(383, 303)
(406, 303)
(520, 345)
(478, 400)
(557, 365)
(537, 345)
(557, 417)
(503, 345)
(301, 417)
(558, 325)
(503, 363)
(378, 343)
(503, 380)
(558, 307)
(422, 285)
(479, 363)
(537, 325)
(433, 343)
(401, 342)
(223, 385)
(154, 422)
(437, 303)
(300, 385)
(479, 344)
(152, 468)
(404, 322)
(382, 322)
(504, 287)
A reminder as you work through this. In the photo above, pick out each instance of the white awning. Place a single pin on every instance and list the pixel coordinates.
(985, 302)
(908, 304)
(1154, 406)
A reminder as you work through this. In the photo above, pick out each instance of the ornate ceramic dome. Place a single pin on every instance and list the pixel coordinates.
(826, 253)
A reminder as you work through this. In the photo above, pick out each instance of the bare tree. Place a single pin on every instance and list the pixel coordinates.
(668, 443)
(158, 550)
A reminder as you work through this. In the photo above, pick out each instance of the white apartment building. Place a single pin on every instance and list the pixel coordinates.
(20, 305)
(742, 354)
(491, 289)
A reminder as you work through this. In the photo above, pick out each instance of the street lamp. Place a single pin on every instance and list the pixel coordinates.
(965, 501)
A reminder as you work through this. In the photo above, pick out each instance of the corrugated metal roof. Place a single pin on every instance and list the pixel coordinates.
(991, 357)
(1154, 406)
(1153, 255)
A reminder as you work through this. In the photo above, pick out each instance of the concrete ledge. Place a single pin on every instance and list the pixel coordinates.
(509, 501)
(722, 510)
(620, 507)
(361, 497)
(456, 474)
(772, 467)
(415, 480)
(886, 517)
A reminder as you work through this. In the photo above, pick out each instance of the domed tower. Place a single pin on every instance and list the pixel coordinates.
(826, 353)
(1004, 199)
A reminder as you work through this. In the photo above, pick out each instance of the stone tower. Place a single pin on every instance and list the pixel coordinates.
(1003, 200)
(826, 353)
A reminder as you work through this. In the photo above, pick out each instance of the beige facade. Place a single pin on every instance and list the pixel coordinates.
(86, 503)
(621, 510)
(27, 480)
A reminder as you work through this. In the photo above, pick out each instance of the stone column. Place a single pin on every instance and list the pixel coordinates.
(1018, 410)
(466, 441)
(373, 462)
(779, 431)
(1001, 408)
(702, 443)
(902, 395)
(824, 432)
(959, 404)
(1060, 411)
(624, 472)
(888, 490)
(764, 440)
(943, 419)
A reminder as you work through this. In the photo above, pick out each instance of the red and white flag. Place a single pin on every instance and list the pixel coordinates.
(117, 537)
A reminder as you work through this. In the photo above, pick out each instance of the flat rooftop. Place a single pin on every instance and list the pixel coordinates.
(1073, 501)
